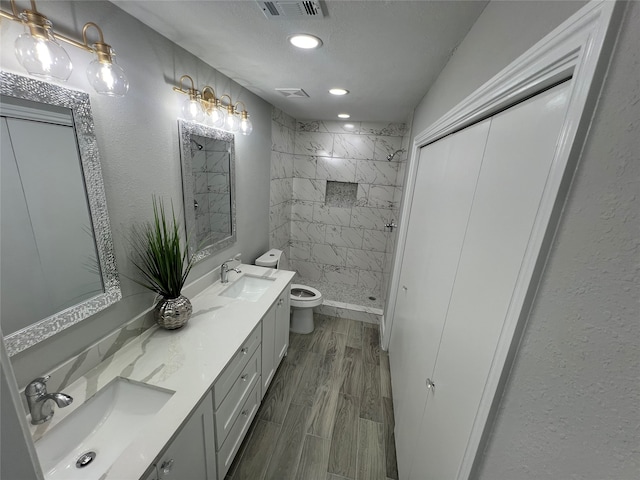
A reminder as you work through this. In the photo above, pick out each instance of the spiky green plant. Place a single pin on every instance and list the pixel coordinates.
(159, 255)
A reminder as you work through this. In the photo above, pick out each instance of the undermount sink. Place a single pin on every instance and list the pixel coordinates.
(105, 425)
(248, 287)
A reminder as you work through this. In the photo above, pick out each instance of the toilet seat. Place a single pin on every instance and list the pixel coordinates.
(303, 296)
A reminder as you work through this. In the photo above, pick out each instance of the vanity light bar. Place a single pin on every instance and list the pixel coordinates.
(204, 107)
(39, 52)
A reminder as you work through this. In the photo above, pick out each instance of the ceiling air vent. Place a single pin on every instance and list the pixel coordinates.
(293, 92)
(290, 8)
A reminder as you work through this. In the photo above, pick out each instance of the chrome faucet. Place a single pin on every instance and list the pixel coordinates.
(224, 270)
(41, 403)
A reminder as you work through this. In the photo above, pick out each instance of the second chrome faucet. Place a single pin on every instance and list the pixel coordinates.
(224, 271)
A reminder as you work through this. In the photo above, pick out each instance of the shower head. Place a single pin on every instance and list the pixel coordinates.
(391, 155)
(198, 146)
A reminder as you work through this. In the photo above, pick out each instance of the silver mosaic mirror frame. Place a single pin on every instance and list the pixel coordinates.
(186, 130)
(78, 102)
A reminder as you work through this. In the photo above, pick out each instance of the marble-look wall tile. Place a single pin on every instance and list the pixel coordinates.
(329, 254)
(369, 218)
(310, 190)
(310, 270)
(281, 190)
(341, 275)
(279, 238)
(312, 143)
(278, 165)
(336, 169)
(375, 240)
(365, 260)
(344, 236)
(376, 173)
(382, 128)
(353, 146)
(300, 251)
(218, 162)
(307, 232)
(331, 215)
(370, 280)
(381, 196)
(386, 146)
(328, 126)
(282, 118)
(304, 166)
(278, 215)
(302, 210)
(279, 138)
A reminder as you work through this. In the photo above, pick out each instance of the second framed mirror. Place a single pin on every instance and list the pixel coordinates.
(208, 182)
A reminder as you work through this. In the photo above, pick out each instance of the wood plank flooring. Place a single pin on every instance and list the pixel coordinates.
(328, 414)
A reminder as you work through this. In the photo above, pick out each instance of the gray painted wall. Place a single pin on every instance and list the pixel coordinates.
(138, 141)
(571, 403)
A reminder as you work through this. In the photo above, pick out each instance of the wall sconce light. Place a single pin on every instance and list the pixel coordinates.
(205, 107)
(39, 52)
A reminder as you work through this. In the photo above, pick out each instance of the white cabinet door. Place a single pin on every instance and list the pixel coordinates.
(191, 455)
(283, 315)
(268, 347)
(447, 174)
(515, 166)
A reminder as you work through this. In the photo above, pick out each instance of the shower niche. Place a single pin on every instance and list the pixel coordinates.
(341, 194)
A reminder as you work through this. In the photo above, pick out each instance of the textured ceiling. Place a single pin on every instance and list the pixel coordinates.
(386, 53)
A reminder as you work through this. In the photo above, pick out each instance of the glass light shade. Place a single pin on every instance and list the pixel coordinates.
(107, 78)
(192, 110)
(232, 123)
(246, 127)
(43, 56)
(217, 117)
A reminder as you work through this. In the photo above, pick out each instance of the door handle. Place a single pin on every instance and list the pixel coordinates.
(431, 385)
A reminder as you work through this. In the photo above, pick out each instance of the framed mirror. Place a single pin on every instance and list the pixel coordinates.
(58, 266)
(208, 185)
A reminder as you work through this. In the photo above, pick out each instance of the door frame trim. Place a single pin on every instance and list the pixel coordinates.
(576, 49)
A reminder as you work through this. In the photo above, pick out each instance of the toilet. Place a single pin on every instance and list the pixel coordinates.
(303, 297)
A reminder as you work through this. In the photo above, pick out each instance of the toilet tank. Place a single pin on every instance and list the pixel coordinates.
(270, 259)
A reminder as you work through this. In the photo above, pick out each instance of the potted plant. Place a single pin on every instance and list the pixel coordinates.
(163, 261)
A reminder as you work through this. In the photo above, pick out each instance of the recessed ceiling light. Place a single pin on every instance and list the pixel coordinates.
(338, 91)
(304, 40)
(344, 115)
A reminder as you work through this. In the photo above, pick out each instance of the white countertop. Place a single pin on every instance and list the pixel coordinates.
(187, 361)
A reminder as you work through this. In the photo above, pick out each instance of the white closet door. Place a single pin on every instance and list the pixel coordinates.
(447, 174)
(517, 160)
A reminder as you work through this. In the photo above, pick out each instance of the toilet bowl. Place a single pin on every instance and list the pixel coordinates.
(302, 299)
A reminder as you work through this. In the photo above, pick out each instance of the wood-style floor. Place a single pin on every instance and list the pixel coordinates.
(328, 413)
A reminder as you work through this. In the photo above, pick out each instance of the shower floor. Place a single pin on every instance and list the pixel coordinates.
(347, 301)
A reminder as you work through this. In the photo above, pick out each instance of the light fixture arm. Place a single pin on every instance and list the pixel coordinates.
(102, 50)
(192, 92)
(244, 112)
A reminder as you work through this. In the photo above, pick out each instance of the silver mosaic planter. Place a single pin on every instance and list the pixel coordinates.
(172, 313)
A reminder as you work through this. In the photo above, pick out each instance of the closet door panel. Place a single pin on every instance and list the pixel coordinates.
(447, 174)
(519, 153)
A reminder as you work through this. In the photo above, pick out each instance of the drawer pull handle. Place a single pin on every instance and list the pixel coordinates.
(244, 377)
(244, 350)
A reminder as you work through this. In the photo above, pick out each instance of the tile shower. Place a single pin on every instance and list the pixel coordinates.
(332, 193)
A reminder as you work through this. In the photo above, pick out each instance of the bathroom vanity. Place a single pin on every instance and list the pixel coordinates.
(212, 374)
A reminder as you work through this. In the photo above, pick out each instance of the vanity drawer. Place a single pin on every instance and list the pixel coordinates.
(234, 401)
(234, 369)
(231, 446)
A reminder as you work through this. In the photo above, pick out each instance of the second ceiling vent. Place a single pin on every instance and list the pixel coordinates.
(287, 9)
